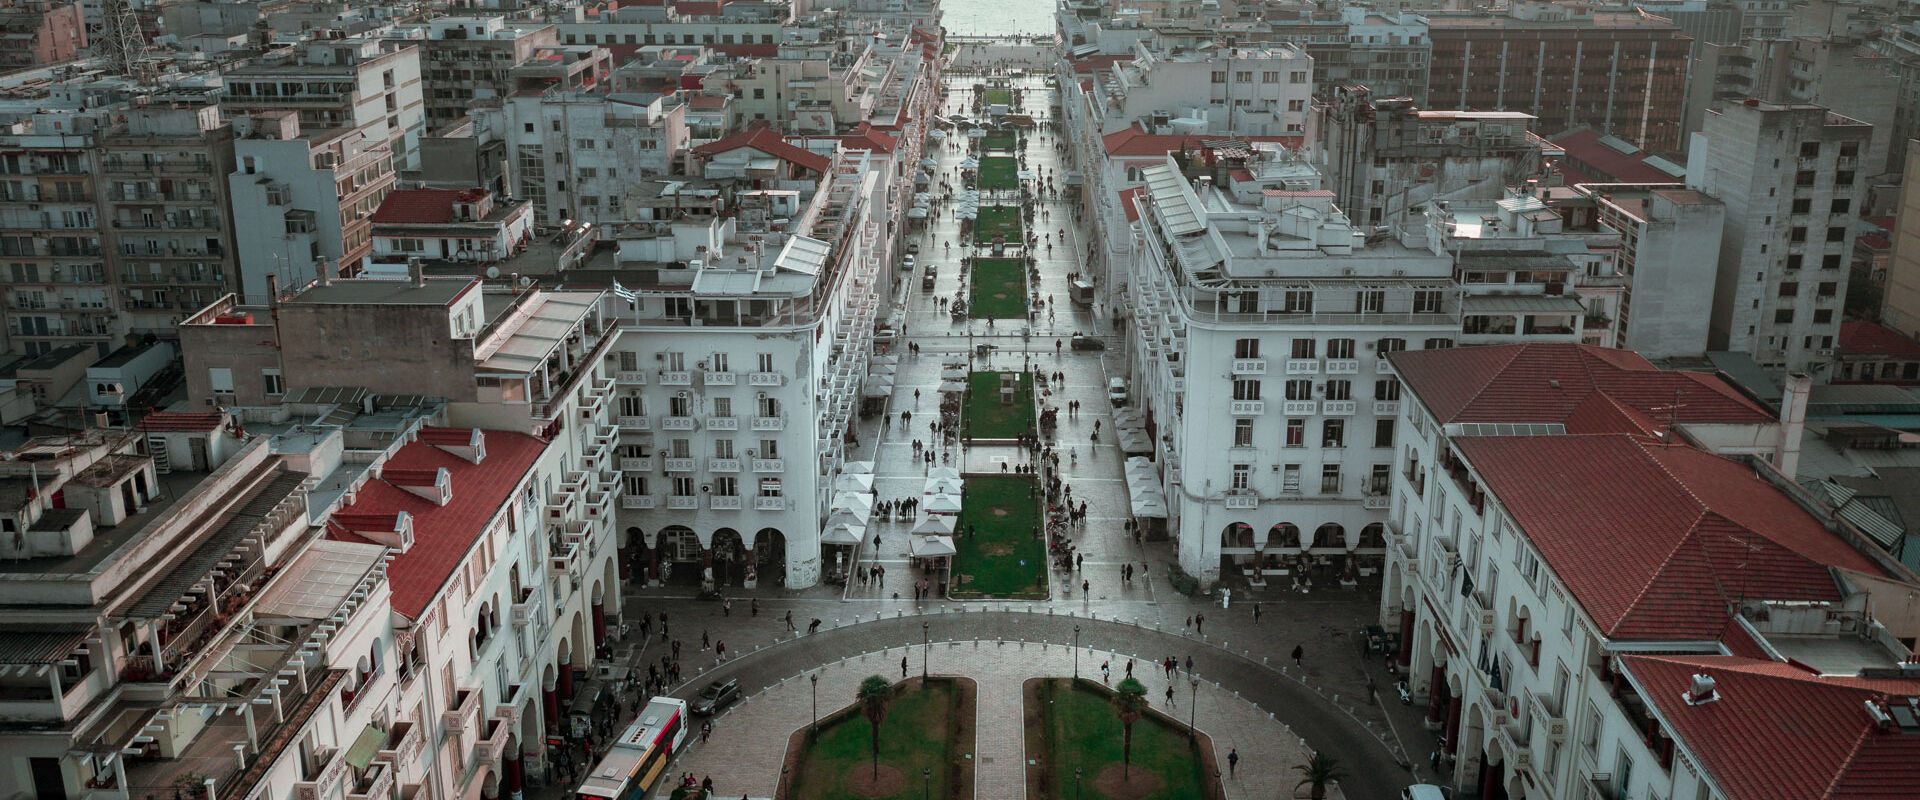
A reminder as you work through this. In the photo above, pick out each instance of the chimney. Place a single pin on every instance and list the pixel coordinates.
(273, 290)
(1793, 423)
(1700, 690)
(325, 268)
(416, 271)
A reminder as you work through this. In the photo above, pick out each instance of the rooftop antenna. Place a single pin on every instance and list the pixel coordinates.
(121, 43)
(1673, 415)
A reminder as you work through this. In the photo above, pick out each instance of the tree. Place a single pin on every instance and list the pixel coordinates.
(1129, 702)
(875, 694)
(1318, 773)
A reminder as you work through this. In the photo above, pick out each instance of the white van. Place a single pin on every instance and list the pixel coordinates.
(1425, 791)
(1117, 391)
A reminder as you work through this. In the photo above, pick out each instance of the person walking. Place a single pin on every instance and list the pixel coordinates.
(1233, 760)
(903, 667)
(726, 608)
(790, 628)
(1169, 695)
(1106, 671)
(704, 641)
(1299, 654)
(720, 650)
(1256, 613)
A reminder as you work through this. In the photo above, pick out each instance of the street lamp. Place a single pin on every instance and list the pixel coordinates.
(926, 643)
(1193, 693)
(1076, 782)
(926, 780)
(781, 792)
(1076, 652)
(813, 728)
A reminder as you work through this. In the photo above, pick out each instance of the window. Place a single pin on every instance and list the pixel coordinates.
(1830, 261)
(723, 448)
(1220, 77)
(1246, 389)
(1843, 178)
(1243, 76)
(1299, 301)
(759, 94)
(1803, 178)
(1243, 433)
(1385, 346)
(769, 448)
(1290, 478)
(1793, 262)
(1789, 289)
(1797, 234)
(1437, 343)
(1341, 389)
(1270, 76)
(1837, 233)
(1383, 433)
(1304, 348)
(1827, 289)
(1823, 316)
(1809, 149)
(1300, 389)
(1783, 316)
(1296, 105)
(1297, 77)
(1333, 433)
(1386, 389)
(1370, 301)
(1330, 479)
(1241, 474)
(1296, 433)
(682, 486)
(1246, 348)
(274, 384)
(1340, 348)
(770, 487)
(1427, 301)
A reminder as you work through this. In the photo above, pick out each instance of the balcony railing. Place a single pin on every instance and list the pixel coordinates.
(1383, 366)
(1343, 366)
(676, 423)
(723, 465)
(1246, 408)
(769, 465)
(1303, 366)
(465, 711)
(723, 423)
(634, 423)
(680, 464)
(676, 378)
(1386, 408)
(724, 502)
(1242, 499)
(1249, 366)
(637, 501)
(636, 464)
(769, 423)
(721, 378)
(630, 377)
(1339, 408)
(765, 379)
(1300, 408)
(769, 503)
(680, 502)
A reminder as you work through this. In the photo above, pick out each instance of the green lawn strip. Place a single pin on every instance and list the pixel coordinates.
(1003, 97)
(912, 737)
(1003, 220)
(998, 290)
(999, 141)
(1080, 729)
(1001, 557)
(999, 173)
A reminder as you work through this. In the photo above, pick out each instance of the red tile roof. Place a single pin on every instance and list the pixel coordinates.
(1127, 205)
(173, 421)
(1870, 339)
(1780, 733)
(442, 535)
(1098, 63)
(1671, 537)
(866, 138)
(423, 206)
(768, 141)
(1874, 241)
(1517, 383)
(1611, 165)
(1136, 142)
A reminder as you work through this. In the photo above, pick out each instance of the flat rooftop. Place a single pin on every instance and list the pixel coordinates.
(107, 541)
(1833, 655)
(370, 291)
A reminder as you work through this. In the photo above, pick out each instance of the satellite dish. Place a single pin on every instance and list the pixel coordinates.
(526, 281)
(493, 272)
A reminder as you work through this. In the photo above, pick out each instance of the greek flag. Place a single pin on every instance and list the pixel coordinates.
(625, 293)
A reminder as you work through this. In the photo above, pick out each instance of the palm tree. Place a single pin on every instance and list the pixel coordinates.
(875, 693)
(1318, 773)
(1129, 702)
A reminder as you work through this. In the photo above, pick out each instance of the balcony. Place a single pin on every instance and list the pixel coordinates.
(630, 377)
(1249, 366)
(637, 501)
(769, 465)
(1303, 366)
(1375, 502)
(1343, 366)
(680, 464)
(407, 741)
(376, 783)
(676, 378)
(527, 613)
(320, 774)
(564, 557)
(1482, 610)
(769, 504)
(676, 423)
(636, 464)
(769, 424)
(1383, 366)
(1339, 408)
(1242, 499)
(1386, 408)
(723, 465)
(1300, 408)
(465, 711)
(634, 423)
(765, 379)
(1546, 719)
(683, 502)
(723, 423)
(721, 378)
(493, 744)
(1246, 408)
(724, 502)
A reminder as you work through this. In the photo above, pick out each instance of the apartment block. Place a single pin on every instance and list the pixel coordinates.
(467, 60)
(359, 84)
(41, 33)
(1385, 157)
(1619, 72)
(303, 197)
(574, 153)
(1790, 179)
(1900, 305)
(166, 214)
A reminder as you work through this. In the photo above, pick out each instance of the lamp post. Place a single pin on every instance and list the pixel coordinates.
(1076, 782)
(1193, 693)
(813, 728)
(926, 782)
(1076, 652)
(781, 791)
(926, 643)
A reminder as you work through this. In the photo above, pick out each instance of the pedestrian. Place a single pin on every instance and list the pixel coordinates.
(1079, 560)
(1233, 760)
(790, 628)
(1169, 695)
(706, 786)
(813, 626)
(1105, 671)
(676, 648)
(704, 641)
(720, 649)
(754, 607)
(1256, 613)
(1200, 623)
(1189, 664)
(903, 666)
(726, 608)
(1299, 654)
(1129, 666)
(706, 730)
(1189, 622)
(1084, 585)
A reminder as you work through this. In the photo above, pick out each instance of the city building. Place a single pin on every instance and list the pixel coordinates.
(303, 196)
(1664, 243)
(359, 84)
(470, 227)
(1838, 73)
(574, 153)
(1788, 176)
(747, 29)
(467, 60)
(1384, 157)
(1874, 353)
(1619, 72)
(1248, 90)
(1565, 634)
(41, 33)
(1258, 291)
(1900, 304)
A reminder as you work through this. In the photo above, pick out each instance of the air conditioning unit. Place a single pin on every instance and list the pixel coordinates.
(761, 396)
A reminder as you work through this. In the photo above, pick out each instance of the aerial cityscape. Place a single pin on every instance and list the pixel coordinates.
(788, 399)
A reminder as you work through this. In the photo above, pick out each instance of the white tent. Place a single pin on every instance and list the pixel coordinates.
(853, 483)
(948, 387)
(934, 524)
(953, 374)
(918, 212)
(845, 517)
(857, 468)
(943, 472)
(942, 504)
(1150, 505)
(882, 369)
(942, 486)
(844, 534)
(931, 546)
(936, 134)
(860, 502)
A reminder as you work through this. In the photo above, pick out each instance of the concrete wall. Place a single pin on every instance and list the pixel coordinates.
(1900, 309)
(335, 345)
(1673, 279)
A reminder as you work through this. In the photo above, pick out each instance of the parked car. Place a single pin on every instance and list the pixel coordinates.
(913, 248)
(1082, 342)
(1425, 791)
(927, 277)
(1117, 391)
(906, 264)
(716, 697)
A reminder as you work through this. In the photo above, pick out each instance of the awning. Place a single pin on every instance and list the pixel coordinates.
(943, 504)
(858, 502)
(933, 526)
(1149, 505)
(846, 517)
(952, 387)
(1522, 304)
(857, 468)
(942, 486)
(844, 533)
(930, 546)
(853, 483)
(944, 472)
(320, 580)
(1134, 441)
(366, 747)
(41, 644)
(953, 374)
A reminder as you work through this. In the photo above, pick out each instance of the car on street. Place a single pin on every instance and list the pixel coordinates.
(1117, 391)
(1425, 791)
(716, 697)
(906, 264)
(913, 248)
(1083, 342)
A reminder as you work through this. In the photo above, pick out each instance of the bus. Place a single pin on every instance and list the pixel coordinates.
(640, 755)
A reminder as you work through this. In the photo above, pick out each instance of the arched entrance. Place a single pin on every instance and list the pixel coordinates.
(770, 555)
(637, 555)
(1237, 546)
(729, 557)
(679, 556)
